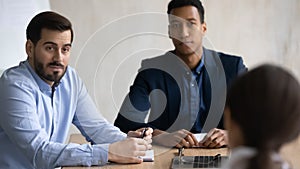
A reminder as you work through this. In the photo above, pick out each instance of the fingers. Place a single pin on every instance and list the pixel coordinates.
(186, 139)
(184, 143)
(148, 135)
(145, 133)
(175, 139)
(137, 133)
(149, 131)
(128, 150)
(215, 138)
(143, 144)
(208, 135)
(137, 160)
(141, 133)
(130, 160)
(192, 140)
(216, 143)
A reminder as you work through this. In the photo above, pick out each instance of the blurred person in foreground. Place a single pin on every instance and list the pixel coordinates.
(262, 114)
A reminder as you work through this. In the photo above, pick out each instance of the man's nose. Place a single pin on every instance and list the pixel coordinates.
(58, 56)
(184, 31)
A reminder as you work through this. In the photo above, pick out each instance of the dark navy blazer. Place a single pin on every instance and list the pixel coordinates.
(167, 73)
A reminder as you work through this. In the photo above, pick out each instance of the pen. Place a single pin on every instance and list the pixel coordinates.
(144, 132)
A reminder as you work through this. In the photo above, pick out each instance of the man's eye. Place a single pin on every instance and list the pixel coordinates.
(49, 48)
(190, 24)
(65, 50)
(175, 25)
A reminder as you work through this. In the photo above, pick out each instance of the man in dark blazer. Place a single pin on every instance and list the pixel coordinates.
(183, 91)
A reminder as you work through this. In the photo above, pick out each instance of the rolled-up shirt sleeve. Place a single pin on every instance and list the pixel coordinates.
(94, 126)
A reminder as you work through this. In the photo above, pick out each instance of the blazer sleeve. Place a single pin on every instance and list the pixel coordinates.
(135, 106)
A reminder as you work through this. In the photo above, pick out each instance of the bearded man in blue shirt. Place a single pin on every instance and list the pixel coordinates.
(184, 89)
(42, 96)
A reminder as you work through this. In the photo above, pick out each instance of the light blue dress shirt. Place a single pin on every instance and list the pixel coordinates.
(34, 126)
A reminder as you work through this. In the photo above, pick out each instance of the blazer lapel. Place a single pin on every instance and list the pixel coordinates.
(214, 89)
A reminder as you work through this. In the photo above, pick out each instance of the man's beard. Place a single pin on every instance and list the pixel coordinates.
(40, 70)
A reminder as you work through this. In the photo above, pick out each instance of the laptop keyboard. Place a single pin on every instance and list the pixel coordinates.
(198, 162)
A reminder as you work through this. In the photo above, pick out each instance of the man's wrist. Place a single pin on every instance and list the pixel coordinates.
(100, 154)
(157, 132)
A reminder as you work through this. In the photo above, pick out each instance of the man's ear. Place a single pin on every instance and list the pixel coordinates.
(29, 48)
(203, 28)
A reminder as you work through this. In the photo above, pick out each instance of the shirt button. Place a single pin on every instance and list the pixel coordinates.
(100, 162)
(187, 73)
(193, 85)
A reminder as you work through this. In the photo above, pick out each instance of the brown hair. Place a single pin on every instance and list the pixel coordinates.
(49, 20)
(265, 104)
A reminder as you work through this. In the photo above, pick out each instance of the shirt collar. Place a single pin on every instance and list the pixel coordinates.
(40, 82)
(199, 67)
(197, 70)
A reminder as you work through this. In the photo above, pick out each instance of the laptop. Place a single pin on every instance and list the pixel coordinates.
(193, 162)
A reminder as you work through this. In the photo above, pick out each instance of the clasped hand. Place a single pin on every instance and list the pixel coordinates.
(215, 138)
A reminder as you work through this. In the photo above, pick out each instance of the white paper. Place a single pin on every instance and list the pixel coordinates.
(200, 136)
(149, 157)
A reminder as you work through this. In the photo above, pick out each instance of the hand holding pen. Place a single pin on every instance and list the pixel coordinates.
(145, 133)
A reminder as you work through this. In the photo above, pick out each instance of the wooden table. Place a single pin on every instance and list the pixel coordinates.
(162, 159)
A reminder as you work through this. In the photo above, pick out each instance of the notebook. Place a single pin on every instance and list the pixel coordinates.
(149, 157)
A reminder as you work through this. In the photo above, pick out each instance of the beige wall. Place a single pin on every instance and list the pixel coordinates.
(108, 76)
(259, 30)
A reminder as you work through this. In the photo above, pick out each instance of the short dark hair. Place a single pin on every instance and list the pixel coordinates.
(49, 20)
(180, 3)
